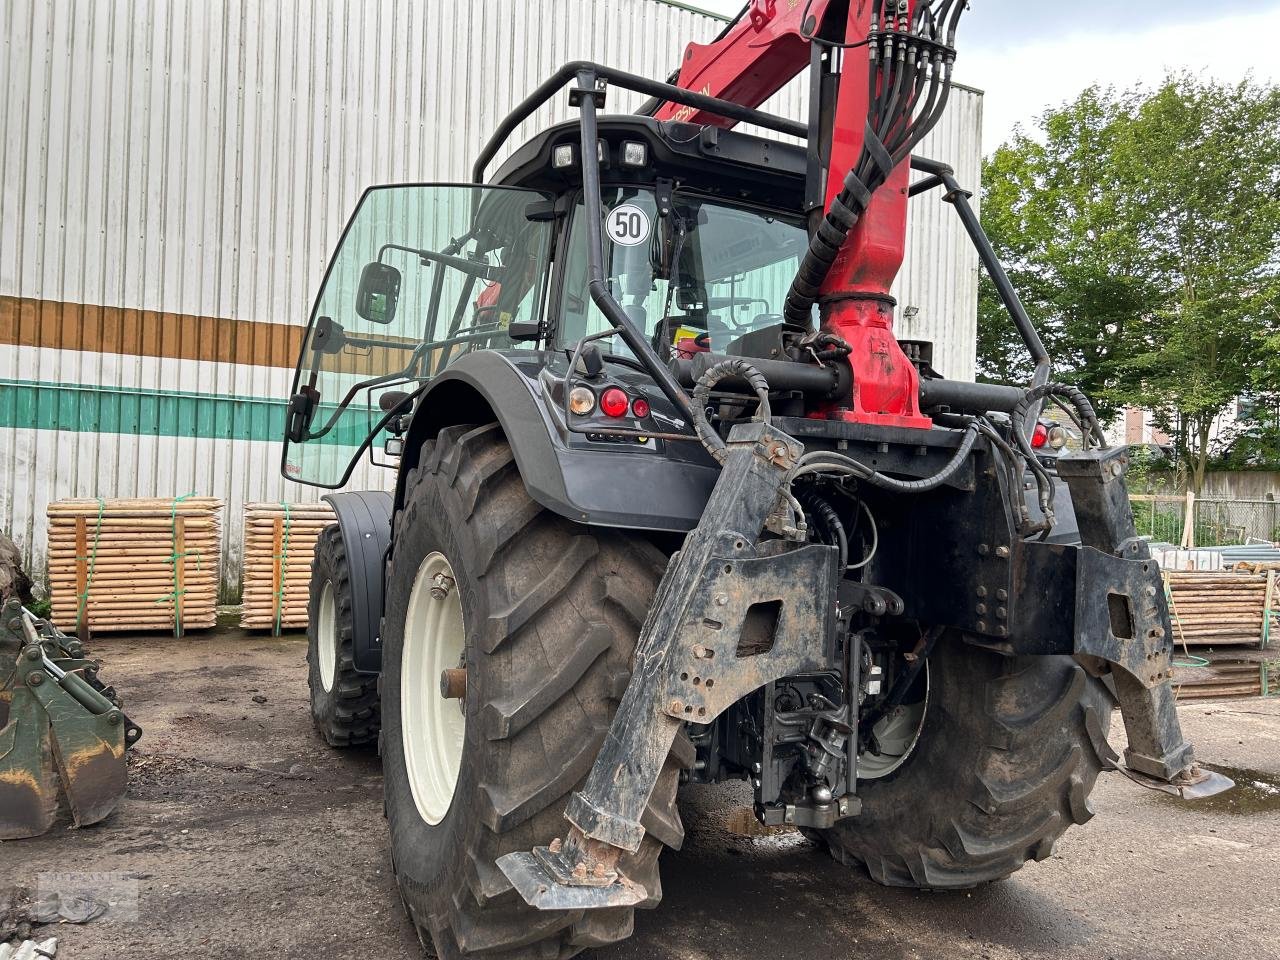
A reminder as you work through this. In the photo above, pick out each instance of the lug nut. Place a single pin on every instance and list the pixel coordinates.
(453, 683)
(441, 584)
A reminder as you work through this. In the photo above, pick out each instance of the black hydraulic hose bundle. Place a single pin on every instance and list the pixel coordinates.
(1072, 395)
(734, 367)
(911, 61)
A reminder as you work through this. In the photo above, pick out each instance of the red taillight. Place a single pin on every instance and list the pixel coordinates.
(614, 403)
(1040, 437)
(640, 407)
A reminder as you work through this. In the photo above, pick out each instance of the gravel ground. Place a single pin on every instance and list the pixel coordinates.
(247, 836)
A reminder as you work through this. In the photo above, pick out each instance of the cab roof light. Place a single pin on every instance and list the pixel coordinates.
(635, 153)
(564, 156)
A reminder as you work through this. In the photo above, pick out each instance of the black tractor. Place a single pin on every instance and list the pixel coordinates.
(672, 505)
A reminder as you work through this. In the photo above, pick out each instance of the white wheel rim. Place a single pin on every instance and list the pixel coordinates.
(897, 734)
(326, 637)
(432, 728)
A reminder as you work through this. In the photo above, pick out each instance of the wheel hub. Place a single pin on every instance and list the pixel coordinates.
(432, 726)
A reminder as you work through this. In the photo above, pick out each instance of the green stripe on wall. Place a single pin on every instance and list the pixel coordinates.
(153, 413)
(83, 408)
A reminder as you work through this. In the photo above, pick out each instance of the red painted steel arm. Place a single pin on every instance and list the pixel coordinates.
(755, 58)
(749, 64)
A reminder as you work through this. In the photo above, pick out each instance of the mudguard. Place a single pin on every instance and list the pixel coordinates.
(364, 519)
(663, 489)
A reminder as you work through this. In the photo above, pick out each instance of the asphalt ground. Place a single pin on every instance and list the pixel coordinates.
(243, 835)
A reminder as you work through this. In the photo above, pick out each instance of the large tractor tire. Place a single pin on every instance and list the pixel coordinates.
(1003, 761)
(543, 615)
(344, 703)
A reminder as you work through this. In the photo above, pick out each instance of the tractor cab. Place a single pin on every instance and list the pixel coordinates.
(702, 236)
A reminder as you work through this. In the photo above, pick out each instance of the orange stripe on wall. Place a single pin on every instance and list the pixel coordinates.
(28, 322)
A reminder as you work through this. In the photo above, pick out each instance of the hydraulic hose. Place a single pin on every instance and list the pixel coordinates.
(827, 462)
(908, 63)
(733, 367)
(1072, 395)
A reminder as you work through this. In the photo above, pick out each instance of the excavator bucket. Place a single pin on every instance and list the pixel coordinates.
(63, 735)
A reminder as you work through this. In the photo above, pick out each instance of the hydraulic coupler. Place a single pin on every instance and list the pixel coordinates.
(731, 614)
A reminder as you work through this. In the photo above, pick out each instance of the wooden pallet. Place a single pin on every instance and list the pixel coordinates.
(279, 540)
(1222, 609)
(135, 565)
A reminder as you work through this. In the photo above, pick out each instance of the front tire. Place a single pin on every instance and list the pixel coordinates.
(344, 703)
(1006, 757)
(550, 613)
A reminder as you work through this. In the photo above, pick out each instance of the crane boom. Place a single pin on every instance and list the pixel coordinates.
(904, 47)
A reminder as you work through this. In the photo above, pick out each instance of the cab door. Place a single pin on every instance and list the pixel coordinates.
(423, 275)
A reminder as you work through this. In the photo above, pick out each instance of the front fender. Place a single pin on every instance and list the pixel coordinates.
(662, 489)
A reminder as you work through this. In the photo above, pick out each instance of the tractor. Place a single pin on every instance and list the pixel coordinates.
(674, 506)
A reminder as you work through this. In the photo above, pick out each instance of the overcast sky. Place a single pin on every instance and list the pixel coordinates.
(1030, 54)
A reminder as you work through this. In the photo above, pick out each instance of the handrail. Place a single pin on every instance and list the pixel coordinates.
(942, 175)
(627, 81)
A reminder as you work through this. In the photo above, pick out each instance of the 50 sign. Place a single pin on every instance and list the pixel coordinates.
(627, 225)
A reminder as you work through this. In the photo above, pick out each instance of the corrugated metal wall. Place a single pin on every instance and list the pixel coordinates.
(173, 178)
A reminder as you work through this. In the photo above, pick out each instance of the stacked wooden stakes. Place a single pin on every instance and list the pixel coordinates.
(1220, 609)
(141, 564)
(279, 540)
(1230, 618)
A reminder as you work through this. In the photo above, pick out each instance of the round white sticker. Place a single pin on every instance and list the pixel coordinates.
(627, 225)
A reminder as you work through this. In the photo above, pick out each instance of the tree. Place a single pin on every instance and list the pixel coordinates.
(1143, 230)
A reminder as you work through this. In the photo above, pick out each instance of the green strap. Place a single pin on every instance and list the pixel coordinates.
(283, 557)
(93, 561)
(176, 557)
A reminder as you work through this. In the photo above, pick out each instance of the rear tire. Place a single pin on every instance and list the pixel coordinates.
(344, 703)
(551, 612)
(1006, 758)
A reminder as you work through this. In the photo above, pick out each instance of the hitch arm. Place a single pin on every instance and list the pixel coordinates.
(1129, 629)
(731, 614)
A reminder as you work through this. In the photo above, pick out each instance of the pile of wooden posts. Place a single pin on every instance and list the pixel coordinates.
(1215, 674)
(279, 539)
(147, 564)
(1222, 608)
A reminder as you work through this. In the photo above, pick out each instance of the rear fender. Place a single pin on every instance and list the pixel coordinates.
(661, 490)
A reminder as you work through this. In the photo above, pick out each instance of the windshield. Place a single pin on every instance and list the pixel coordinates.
(697, 279)
(423, 275)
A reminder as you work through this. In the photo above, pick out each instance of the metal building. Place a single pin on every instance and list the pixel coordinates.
(173, 176)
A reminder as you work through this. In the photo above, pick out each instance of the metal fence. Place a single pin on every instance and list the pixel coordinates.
(1215, 522)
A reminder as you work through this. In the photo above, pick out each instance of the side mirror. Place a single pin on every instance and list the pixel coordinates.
(379, 293)
(519, 330)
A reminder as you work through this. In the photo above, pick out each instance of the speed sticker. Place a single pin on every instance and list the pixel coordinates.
(627, 225)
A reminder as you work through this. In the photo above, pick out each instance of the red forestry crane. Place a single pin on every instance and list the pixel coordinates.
(769, 44)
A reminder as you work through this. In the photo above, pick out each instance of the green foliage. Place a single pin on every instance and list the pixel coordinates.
(1142, 230)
